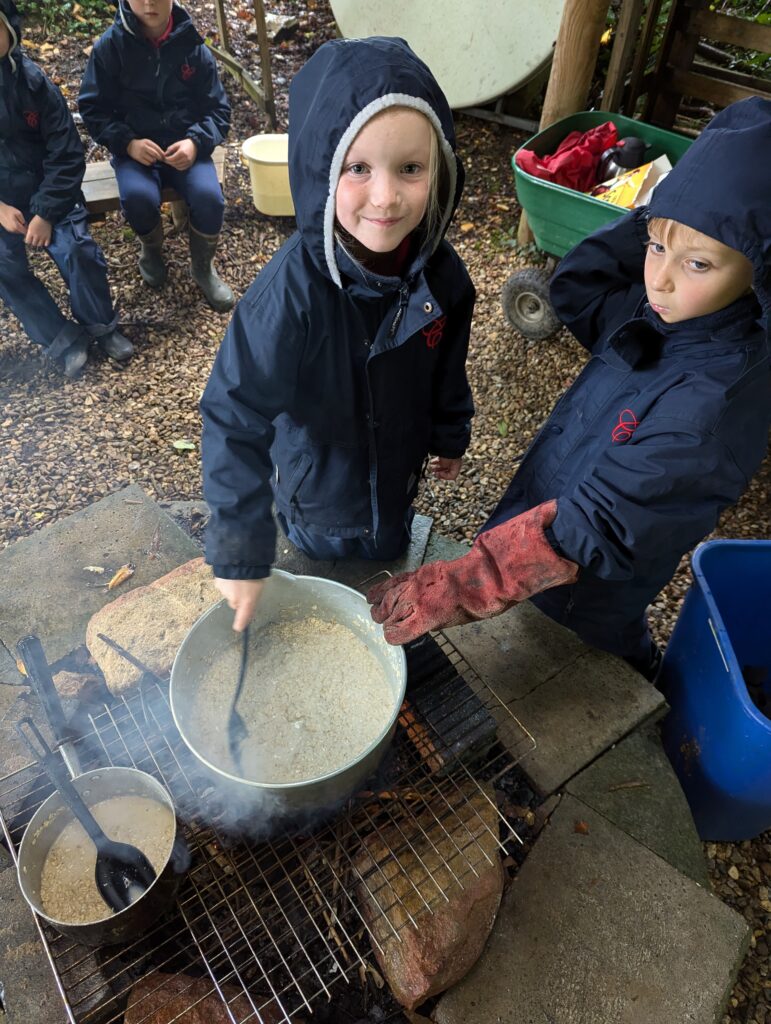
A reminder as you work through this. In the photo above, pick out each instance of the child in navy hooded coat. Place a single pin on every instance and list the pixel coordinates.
(344, 363)
(41, 170)
(151, 94)
(662, 430)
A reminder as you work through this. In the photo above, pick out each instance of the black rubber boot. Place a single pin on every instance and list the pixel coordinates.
(76, 356)
(151, 265)
(202, 250)
(116, 346)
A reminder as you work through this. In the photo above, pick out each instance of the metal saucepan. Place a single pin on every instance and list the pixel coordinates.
(53, 815)
(286, 597)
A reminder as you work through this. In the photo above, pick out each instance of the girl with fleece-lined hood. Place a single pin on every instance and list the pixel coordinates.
(41, 171)
(334, 382)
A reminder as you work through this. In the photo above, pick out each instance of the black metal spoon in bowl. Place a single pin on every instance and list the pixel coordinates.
(122, 873)
(237, 731)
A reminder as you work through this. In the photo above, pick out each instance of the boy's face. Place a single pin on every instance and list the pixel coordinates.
(384, 184)
(5, 39)
(689, 274)
(153, 14)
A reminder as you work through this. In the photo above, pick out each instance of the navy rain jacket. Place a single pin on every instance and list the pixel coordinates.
(41, 155)
(666, 424)
(134, 90)
(332, 384)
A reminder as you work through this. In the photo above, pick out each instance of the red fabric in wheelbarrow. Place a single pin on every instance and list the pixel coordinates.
(574, 163)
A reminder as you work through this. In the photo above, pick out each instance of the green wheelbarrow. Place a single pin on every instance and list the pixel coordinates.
(560, 217)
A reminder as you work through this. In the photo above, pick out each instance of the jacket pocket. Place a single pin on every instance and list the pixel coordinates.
(288, 486)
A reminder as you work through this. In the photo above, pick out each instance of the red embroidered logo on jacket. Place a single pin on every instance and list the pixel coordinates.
(626, 426)
(32, 117)
(434, 332)
(187, 72)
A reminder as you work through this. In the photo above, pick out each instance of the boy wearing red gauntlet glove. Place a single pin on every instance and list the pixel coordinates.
(663, 429)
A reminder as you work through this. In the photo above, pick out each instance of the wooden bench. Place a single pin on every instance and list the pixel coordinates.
(100, 186)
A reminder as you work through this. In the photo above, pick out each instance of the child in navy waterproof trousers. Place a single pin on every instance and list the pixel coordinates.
(662, 430)
(151, 94)
(41, 170)
(344, 364)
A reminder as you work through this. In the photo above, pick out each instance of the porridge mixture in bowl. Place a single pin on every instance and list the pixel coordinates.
(314, 699)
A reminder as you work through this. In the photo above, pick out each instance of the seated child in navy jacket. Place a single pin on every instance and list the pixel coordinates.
(344, 363)
(151, 94)
(662, 430)
(41, 170)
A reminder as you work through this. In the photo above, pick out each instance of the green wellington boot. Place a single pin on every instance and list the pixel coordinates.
(151, 265)
(202, 250)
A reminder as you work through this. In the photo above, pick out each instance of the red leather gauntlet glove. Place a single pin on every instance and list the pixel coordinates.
(506, 565)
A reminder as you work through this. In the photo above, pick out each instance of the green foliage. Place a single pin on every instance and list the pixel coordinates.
(79, 17)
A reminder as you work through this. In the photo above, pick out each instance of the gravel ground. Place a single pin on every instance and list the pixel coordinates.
(68, 443)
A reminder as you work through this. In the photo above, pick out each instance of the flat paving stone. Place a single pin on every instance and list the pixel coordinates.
(30, 995)
(574, 700)
(44, 588)
(634, 786)
(597, 929)
(517, 651)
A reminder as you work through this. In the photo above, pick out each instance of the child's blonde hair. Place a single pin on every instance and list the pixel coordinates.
(436, 178)
(667, 231)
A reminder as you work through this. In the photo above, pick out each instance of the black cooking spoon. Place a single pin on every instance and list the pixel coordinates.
(123, 873)
(237, 731)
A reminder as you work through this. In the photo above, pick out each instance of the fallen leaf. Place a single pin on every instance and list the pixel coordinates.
(503, 428)
(581, 828)
(124, 573)
(467, 225)
(183, 445)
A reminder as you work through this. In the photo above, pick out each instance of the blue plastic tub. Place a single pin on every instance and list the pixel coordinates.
(716, 735)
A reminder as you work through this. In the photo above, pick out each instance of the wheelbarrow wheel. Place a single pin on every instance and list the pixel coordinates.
(525, 299)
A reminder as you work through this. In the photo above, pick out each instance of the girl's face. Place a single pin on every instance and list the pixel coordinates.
(384, 185)
(153, 15)
(5, 39)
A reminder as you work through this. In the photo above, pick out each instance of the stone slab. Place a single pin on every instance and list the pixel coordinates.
(597, 929)
(579, 713)
(634, 786)
(30, 995)
(517, 651)
(44, 589)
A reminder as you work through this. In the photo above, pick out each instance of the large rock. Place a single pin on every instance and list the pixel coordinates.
(403, 869)
(164, 998)
(150, 622)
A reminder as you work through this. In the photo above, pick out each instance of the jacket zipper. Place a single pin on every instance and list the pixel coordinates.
(404, 293)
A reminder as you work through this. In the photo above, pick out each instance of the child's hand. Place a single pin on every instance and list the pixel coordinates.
(145, 151)
(182, 154)
(242, 596)
(39, 232)
(12, 219)
(445, 469)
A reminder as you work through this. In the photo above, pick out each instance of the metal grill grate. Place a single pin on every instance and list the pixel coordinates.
(274, 926)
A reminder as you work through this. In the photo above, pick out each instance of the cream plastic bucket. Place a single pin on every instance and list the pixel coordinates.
(267, 158)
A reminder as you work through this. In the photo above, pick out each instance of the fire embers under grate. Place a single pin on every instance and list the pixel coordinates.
(272, 926)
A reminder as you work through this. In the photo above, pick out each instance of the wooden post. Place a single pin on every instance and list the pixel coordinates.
(266, 77)
(222, 25)
(575, 56)
(621, 55)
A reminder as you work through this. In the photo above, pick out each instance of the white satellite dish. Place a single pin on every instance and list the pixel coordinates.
(477, 49)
